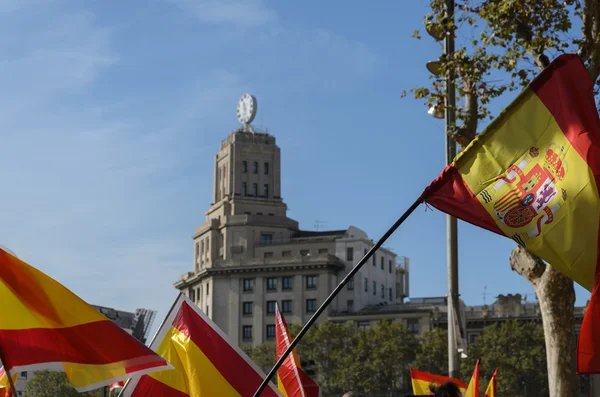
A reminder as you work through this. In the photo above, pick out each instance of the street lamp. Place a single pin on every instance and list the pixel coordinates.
(438, 32)
(435, 112)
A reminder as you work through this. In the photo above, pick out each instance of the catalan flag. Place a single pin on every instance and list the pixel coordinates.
(45, 326)
(421, 381)
(5, 390)
(491, 389)
(206, 363)
(291, 379)
(532, 175)
(473, 388)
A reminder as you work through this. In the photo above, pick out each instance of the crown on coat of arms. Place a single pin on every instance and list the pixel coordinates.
(554, 161)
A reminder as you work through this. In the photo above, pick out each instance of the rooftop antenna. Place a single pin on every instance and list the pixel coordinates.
(484, 294)
(318, 225)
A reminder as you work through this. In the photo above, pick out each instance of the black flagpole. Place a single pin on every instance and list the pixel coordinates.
(337, 289)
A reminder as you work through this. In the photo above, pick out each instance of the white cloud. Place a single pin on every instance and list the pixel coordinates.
(241, 13)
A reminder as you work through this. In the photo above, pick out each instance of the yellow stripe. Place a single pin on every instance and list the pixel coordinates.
(281, 387)
(194, 374)
(571, 250)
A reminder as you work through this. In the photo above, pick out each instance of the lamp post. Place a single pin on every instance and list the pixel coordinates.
(437, 32)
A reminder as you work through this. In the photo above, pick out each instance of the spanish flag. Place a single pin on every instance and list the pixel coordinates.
(532, 175)
(45, 326)
(291, 379)
(473, 389)
(422, 380)
(491, 389)
(206, 363)
(5, 390)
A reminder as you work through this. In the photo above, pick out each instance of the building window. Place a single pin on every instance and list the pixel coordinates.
(390, 294)
(350, 305)
(382, 263)
(413, 325)
(382, 291)
(192, 294)
(255, 168)
(266, 191)
(207, 288)
(268, 255)
(266, 169)
(207, 311)
(266, 238)
(247, 332)
(23, 375)
(311, 282)
(351, 284)
(374, 288)
(244, 189)
(272, 284)
(350, 254)
(286, 306)
(247, 308)
(363, 325)
(254, 190)
(473, 338)
(311, 305)
(366, 284)
(287, 283)
(374, 259)
(323, 251)
(390, 265)
(271, 307)
(248, 285)
(304, 252)
(244, 166)
(270, 331)
(286, 254)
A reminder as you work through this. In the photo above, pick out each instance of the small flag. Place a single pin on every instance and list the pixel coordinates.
(473, 389)
(45, 326)
(533, 176)
(117, 385)
(206, 363)
(5, 390)
(421, 381)
(491, 389)
(291, 379)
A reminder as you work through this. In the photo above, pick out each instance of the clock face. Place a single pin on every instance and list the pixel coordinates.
(246, 109)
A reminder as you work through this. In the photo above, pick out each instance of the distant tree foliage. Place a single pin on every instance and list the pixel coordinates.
(54, 384)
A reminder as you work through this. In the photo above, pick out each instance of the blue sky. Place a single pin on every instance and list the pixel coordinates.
(111, 113)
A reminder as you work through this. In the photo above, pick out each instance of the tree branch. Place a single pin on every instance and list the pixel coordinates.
(587, 35)
(464, 134)
(592, 11)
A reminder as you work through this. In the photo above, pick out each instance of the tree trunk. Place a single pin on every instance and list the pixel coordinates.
(556, 296)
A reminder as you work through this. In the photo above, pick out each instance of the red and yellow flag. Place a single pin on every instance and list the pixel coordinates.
(473, 389)
(533, 176)
(206, 363)
(5, 390)
(491, 389)
(422, 380)
(291, 379)
(117, 385)
(45, 326)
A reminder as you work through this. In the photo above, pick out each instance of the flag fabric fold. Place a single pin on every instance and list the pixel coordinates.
(421, 381)
(491, 389)
(205, 362)
(45, 326)
(291, 379)
(5, 390)
(473, 388)
(532, 175)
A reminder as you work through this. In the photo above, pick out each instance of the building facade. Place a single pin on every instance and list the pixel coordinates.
(249, 256)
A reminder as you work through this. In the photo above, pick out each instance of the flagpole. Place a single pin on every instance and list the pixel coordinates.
(8, 374)
(337, 289)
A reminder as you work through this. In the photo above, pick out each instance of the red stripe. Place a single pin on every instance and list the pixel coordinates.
(148, 386)
(98, 343)
(450, 194)
(567, 91)
(237, 371)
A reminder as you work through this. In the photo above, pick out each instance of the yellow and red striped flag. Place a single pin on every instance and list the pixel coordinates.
(473, 389)
(491, 389)
(5, 390)
(206, 363)
(291, 379)
(45, 326)
(533, 175)
(117, 385)
(421, 382)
